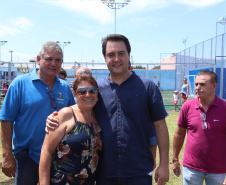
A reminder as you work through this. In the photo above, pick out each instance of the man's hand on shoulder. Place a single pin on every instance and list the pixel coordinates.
(51, 122)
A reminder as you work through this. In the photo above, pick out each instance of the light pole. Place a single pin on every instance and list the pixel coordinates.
(10, 67)
(2, 42)
(11, 55)
(222, 20)
(184, 42)
(65, 43)
(115, 5)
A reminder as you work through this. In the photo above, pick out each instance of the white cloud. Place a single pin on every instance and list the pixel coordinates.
(93, 9)
(8, 30)
(96, 10)
(199, 3)
(138, 5)
(22, 23)
(16, 26)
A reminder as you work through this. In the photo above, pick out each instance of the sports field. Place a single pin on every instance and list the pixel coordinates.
(171, 123)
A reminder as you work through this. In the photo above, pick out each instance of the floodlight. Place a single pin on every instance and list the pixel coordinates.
(115, 5)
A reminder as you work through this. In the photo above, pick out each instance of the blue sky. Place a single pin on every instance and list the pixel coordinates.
(152, 26)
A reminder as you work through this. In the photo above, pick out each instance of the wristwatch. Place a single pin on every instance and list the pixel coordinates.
(174, 160)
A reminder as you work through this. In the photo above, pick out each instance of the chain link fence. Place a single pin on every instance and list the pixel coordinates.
(168, 74)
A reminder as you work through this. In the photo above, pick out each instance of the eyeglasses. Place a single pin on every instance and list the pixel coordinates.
(203, 117)
(82, 91)
(52, 97)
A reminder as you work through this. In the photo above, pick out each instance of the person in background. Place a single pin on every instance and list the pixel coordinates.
(62, 74)
(128, 106)
(204, 121)
(76, 144)
(184, 91)
(28, 102)
(83, 70)
(158, 84)
(5, 87)
(175, 99)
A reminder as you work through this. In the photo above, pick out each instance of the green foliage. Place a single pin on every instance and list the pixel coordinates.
(139, 67)
(23, 69)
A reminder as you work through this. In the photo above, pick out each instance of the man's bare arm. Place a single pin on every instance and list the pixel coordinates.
(178, 141)
(162, 172)
(153, 151)
(8, 162)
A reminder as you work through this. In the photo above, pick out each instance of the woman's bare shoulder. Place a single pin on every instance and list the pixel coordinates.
(65, 113)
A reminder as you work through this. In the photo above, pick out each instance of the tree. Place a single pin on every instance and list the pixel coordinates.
(139, 67)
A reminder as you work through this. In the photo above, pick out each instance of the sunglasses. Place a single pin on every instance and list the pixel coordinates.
(53, 101)
(203, 118)
(91, 90)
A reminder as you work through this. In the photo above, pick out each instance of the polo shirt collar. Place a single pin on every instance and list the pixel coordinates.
(34, 75)
(215, 102)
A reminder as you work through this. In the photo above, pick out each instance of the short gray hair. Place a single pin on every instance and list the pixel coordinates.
(83, 71)
(51, 46)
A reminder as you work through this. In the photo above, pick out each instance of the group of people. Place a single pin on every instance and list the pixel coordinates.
(109, 129)
(105, 136)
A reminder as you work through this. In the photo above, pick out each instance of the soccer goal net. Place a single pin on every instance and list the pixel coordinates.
(191, 83)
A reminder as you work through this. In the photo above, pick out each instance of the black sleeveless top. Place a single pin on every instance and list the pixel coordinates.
(77, 155)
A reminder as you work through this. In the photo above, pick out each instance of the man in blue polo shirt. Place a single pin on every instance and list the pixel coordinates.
(29, 100)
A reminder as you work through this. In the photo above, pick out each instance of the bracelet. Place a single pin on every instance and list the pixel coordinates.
(174, 160)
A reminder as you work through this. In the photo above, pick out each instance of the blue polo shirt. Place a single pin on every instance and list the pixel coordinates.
(126, 114)
(27, 104)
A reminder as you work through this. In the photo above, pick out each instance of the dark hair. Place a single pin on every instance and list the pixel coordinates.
(87, 78)
(213, 76)
(129, 65)
(63, 72)
(115, 38)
